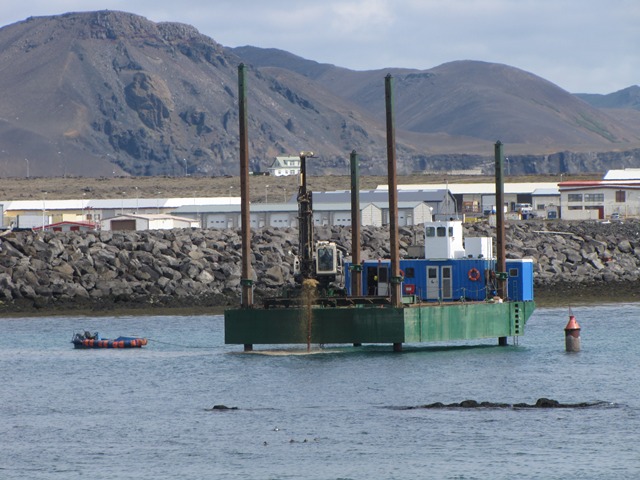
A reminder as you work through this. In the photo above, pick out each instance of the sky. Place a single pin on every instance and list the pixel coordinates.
(583, 46)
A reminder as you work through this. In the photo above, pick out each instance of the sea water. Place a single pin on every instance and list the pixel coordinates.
(334, 413)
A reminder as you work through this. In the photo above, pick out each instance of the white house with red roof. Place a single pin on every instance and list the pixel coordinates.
(617, 194)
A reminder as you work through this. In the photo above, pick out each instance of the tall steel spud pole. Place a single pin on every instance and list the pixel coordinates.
(245, 214)
(396, 296)
(501, 256)
(356, 268)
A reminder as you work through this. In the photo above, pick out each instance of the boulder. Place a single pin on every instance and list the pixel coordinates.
(625, 246)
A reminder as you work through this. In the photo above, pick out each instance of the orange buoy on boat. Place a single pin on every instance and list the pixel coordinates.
(474, 274)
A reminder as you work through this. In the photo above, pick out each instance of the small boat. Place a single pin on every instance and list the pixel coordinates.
(89, 340)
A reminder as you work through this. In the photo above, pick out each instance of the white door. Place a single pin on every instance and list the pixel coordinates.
(433, 283)
(383, 281)
(447, 283)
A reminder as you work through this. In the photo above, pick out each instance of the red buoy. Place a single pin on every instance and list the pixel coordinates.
(572, 335)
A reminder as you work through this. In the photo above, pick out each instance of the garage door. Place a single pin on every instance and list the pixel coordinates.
(123, 225)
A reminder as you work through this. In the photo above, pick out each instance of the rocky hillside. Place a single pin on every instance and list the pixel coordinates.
(111, 93)
(107, 92)
(189, 268)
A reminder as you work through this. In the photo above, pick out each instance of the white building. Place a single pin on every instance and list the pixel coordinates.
(546, 203)
(32, 213)
(283, 166)
(280, 215)
(625, 174)
(414, 206)
(617, 193)
(593, 200)
(473, 198)
(152, 221)
(329, 214)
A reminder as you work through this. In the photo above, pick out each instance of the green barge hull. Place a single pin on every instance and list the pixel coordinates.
(415, 323)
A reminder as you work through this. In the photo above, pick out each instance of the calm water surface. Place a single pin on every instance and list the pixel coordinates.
(333, 414)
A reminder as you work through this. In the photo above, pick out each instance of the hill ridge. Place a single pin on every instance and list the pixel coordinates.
(111, 93)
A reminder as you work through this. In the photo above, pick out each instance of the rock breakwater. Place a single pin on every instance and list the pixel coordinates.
(201, 268)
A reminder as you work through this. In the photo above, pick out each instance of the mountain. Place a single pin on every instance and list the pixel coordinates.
(476, 99)
(625, 98)
(111, 93)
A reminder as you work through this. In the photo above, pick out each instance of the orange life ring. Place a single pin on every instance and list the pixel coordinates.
(402, 275)
(474, 275)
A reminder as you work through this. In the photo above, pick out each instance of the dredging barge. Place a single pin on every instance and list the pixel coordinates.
(456, 292)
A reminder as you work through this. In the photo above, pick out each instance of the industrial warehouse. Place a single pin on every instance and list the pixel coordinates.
(616, 196)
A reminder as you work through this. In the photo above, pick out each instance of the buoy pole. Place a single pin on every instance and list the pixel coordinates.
(572, 335)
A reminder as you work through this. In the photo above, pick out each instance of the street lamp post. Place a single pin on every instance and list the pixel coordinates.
(63, 165)
(186, 169)
(44, 208)
(27, 160)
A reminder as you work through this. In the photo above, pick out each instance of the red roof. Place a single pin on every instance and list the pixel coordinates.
(67, 222)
